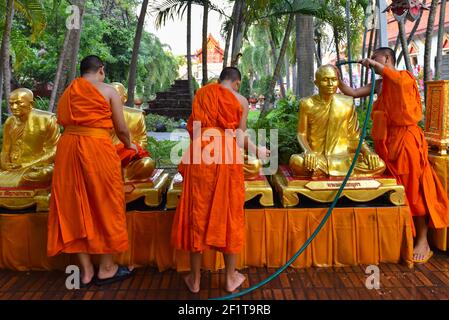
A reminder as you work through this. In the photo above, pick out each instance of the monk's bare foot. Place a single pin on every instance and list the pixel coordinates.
(421, 251)
(106, 272)
(87, 275)
(234, 281)
(194, 286)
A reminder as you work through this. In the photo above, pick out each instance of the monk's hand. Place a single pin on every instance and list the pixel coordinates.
(367, 62)
(263, 153)
(134, 147)
(311, 161)
(373, 161)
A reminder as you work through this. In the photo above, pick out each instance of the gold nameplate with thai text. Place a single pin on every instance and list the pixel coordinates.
(290, 188)
(16, 193)
(335, 185)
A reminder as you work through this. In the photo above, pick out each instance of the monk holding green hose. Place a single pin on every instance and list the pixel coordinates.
(400, 142)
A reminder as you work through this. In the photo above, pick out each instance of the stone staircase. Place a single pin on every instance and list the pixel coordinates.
(174, 103)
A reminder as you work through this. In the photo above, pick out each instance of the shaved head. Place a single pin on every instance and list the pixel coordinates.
(385, 51)
(90, 64)
(230, 73)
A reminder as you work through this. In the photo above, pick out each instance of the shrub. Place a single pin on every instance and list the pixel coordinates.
(155, 121)
(253, 116)
(362, 115)
(285, 119)
(41, 103)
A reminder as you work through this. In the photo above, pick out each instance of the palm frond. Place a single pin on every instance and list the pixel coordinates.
(170, 9)
(33, 11)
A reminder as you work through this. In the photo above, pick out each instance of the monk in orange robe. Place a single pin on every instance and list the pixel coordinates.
(210, 212)
(400, 142)
(87, 206)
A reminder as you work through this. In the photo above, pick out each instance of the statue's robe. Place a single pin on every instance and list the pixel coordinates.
(332, 132)
(32, 145)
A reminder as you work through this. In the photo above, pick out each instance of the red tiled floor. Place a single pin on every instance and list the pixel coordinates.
(429, 281)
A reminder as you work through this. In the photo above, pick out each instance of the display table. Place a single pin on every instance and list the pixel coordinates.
(438, 237)
(352, 236)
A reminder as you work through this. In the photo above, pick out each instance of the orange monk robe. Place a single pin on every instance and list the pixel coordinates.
(128, 155)
(401, 143)
(210, 211)
(87, 206)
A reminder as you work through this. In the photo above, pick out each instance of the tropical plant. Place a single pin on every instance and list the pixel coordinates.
(33, 12)
(160, 152)
(157, 67)
(280, 59)
(245, 89)
(284, 118)
(41, 103)
(169, 9)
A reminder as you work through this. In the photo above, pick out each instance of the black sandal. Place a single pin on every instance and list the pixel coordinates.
(122, 273)
(85, 285)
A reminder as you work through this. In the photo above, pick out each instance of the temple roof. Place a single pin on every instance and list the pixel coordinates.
(212, 44)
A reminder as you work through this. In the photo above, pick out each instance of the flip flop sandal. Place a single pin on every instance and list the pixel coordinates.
(85, 285)
(122, 273)
(426, 259)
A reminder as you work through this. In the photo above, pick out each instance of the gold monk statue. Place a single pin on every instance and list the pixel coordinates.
(328, 132)
(143, 168)
(29, 143)
(251, 167)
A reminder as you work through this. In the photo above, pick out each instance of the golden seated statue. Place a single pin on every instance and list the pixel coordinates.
(29, 148)
(256, 184)
(328, 132)
(141, 177)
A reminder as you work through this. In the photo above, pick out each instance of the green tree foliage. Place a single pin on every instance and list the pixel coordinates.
(158, 68)
(108, 32)
(261, 86)
(244, 88)
(284, 118)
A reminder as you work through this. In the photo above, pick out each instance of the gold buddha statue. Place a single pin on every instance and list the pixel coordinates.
(140, 169)
(251, 167)
(29, 143)
(328, 132)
